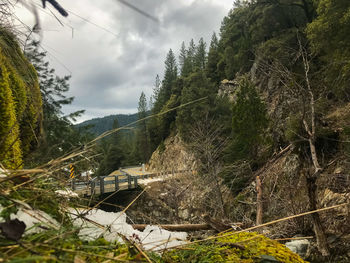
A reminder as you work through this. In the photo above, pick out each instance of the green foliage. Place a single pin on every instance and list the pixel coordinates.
(159, 128)
(7, 208)
(249, 25)
(200, 57)
(59, 134)
(21, 103)
(329, 35)
(294, 129)
(182, 58)
(223, 249)
(166, 120)
(213, 60)
(114, 153)
(142, 135)
(170, 76)
(249, 122)
(196, 86)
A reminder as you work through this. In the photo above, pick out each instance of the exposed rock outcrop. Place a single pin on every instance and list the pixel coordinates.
(172, 155)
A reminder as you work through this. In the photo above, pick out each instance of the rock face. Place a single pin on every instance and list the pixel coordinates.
(173, 155)
(228, 88)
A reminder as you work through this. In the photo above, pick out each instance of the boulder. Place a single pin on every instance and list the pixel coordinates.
(300, 247)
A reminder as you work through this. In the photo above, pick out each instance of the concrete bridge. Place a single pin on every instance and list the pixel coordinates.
(123, 179)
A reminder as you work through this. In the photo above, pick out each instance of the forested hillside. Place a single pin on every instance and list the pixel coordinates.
(97, 126)
(285, 66)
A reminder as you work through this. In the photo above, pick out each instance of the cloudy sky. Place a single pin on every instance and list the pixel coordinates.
(113, 53)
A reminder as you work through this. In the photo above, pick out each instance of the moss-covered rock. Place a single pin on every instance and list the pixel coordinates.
(20, 102)
(10, 146)
(253, 247)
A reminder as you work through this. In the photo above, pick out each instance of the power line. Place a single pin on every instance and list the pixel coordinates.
(131, 6)
(50, 54)
(138, 10)
(79, 16)
(92, 23)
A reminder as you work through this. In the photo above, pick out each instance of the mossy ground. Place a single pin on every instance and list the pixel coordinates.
(257, 248)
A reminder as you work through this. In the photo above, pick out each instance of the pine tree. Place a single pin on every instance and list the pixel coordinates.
(170, 76)
(113, 151)
(200, 55)
(59, 134)
(159, 128)
(196, 86)
(155, 95)
(329, 36)
(143, 142)
(213, 60)
(189, 64)
(53, 87)
(182, 58)
(191, 50)
(249, 122)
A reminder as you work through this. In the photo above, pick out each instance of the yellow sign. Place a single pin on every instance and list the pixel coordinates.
(71, 171)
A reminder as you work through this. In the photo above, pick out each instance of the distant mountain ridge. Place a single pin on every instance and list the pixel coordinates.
(100, 125)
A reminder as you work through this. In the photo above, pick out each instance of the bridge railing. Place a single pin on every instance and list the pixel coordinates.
(112, 183)
(105, 184)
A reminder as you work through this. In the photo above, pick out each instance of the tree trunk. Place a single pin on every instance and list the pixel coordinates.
(259, 202)
(311, 179)
(318, 228)
(183, 227)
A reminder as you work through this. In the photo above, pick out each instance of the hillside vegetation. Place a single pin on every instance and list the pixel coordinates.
(272, 82)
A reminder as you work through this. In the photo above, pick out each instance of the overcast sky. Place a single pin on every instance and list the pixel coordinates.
(111, 63)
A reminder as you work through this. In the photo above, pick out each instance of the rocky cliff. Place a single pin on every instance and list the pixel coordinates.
(172, 154)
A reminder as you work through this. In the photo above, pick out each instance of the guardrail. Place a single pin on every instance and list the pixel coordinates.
(107, 184)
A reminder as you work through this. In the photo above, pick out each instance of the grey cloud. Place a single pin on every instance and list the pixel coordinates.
(108, 72)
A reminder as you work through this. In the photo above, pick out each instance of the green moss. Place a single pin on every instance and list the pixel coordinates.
(256, 248)
(21, 104)
(10, 146)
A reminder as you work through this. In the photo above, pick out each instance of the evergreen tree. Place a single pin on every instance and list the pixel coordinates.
(196, 86)
(158, 134)
(143, 142)
(188, 66)
(231, 68)
(156, 91)
(182, 58)
(53, 88)
(170, 76)
(59, 134)
(249, 122)
(213, 60)
(191, 50)
(329, 35)
(200, 56)
(113, 152)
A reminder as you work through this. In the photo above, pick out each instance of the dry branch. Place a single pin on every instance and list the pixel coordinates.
(178, 227)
